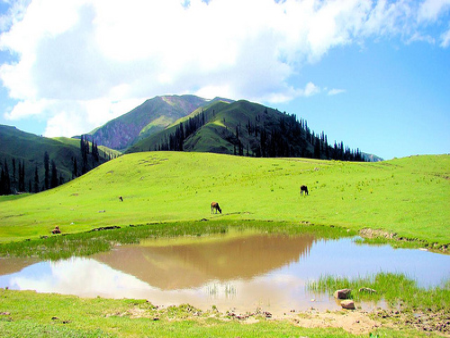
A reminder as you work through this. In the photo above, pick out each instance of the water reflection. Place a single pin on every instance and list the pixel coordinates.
(179, 264)
(235, 270)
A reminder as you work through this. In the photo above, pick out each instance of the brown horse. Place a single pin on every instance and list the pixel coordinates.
(215, 206)
(304, 189)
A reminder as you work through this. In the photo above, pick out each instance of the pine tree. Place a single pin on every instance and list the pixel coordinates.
(14, 185)
(75, 168)
(22, 176)
(36, 180)
(95, 152)
(47, 171)
(54, 181)
(5, 187)
(84, 147)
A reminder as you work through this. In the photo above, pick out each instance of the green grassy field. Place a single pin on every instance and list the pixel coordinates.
(408, 196)
(173, 191)
(29, 314)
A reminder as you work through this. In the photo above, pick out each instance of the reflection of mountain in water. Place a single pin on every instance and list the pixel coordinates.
(13, 264)
(189, 265)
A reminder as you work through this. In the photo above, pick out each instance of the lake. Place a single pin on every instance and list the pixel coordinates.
(240, 271)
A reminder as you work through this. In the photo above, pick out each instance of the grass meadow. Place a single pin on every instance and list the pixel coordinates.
(170, 193)
(30, 314)
(409, 197)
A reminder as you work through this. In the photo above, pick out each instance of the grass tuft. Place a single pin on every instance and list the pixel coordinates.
(395, 289)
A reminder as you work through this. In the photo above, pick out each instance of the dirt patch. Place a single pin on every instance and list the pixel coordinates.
(376, 233)
(436, 322)
(379, 233)
(353, 322)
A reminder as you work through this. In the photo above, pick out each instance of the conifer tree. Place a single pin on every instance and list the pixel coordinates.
(75, 168)
(22, 176)
(5, 186)
(14, 185)
(47, 171)
(36, 180)
(54, 181)
(84, 147)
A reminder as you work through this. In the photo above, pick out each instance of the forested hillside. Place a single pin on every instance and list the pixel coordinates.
(247, 129)
(31, 163)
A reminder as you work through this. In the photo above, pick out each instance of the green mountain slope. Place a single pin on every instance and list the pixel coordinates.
(105, 152)
(147, 119)
(30, 149)
(244, 128)
(407, 196)
(151, 142)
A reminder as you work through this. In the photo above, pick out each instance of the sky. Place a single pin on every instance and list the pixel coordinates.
(372, 74)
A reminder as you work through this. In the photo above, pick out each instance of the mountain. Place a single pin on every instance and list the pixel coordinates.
(28, 150)
(244, 128)
(372, 158)
(145, 120)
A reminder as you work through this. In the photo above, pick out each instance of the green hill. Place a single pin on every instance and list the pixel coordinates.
(244, 128)
(105, 152)
(408, 197)
(29, 149)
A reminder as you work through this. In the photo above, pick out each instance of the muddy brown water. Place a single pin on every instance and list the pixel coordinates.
(240, 271)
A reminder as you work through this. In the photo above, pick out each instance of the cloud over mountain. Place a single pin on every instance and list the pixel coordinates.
(87, 61)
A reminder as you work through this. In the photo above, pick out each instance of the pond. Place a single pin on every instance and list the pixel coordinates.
(238, 270)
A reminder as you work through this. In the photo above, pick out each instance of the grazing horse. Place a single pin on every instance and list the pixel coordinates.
(304, 189)
(56, 230)
(215, 205)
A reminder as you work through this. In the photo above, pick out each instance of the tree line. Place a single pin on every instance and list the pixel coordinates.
(175, 141)
(291, 137)
(263, 137)
(13, 178)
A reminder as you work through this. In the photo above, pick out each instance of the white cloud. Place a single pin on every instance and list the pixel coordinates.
(336, 91)
(70, 118)
(430, 10)
(73, 55)
(310, 90)
(445, 39)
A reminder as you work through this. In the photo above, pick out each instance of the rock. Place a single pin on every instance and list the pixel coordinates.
(342, 294)
(348, 304)
(369, 290)
(267, 314)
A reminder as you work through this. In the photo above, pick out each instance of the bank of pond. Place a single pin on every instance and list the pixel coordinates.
(238, 266)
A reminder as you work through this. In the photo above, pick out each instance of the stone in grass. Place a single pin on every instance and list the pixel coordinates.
(342, 294)
(348, 304)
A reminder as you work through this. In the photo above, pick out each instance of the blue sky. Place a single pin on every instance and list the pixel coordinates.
(373, 74)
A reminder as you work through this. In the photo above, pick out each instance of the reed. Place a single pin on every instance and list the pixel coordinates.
(395, 289)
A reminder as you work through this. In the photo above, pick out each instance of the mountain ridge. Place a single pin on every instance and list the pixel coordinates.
(245, 128)
(150, 117)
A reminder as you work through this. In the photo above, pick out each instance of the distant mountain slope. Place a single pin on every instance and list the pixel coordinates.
(105, 152)
(29, 149)
(245, 128)
(145, 120)
(372, 157)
